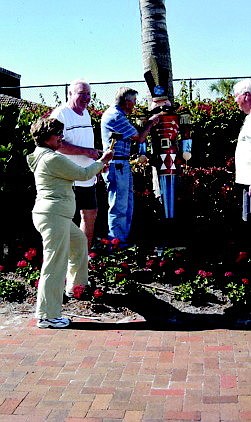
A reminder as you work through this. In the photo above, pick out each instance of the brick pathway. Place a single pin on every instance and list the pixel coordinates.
(97, 372)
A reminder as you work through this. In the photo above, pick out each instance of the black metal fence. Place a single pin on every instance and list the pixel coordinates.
(51, 95)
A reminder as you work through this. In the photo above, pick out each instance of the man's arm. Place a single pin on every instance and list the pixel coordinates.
(141, 136)
(69, 149)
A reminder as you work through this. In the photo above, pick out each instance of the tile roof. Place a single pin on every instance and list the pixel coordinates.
(8, 100)
(8, 72)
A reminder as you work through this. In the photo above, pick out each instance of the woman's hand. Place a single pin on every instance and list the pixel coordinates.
(106, 156)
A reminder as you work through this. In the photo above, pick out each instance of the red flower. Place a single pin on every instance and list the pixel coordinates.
(125, 267)
(93, 255)
(78, 291)
(46, 114)
(36, 283)
(241, 256)
(163, 263)
(151, 263)
(229, 274)
(28, 256)
(22, 264)
(104, 241)
(115, 241)
(97, 293)
(146, 192)
(120, 276)
(205, 108)
(1, 267)
(205, 274)
(180, 271)
(32, 251)
(245, 280)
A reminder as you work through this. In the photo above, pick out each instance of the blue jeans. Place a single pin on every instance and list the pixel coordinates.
(119, 183)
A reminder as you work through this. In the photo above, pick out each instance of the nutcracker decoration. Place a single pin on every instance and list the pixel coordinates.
(164, 144)
(165, 135)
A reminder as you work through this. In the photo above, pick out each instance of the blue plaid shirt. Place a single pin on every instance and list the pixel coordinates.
(114, 120)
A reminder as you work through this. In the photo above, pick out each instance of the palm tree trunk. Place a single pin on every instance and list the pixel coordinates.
(155, 48)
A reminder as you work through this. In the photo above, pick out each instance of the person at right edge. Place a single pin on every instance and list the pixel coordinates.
(118, 178)
(242, 93)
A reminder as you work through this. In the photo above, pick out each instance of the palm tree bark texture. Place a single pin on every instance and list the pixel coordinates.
(155, 48)
(158, 75)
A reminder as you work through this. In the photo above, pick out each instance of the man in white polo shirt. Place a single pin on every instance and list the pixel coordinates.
(78, 146)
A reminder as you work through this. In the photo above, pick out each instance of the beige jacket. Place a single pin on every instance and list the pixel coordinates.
(54, 175)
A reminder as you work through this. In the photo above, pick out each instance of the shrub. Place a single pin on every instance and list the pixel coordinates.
(196, 289)
(12, 290)
(121, 270)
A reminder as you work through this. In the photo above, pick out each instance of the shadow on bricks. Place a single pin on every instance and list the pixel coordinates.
(160, 315)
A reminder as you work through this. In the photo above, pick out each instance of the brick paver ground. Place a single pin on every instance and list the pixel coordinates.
(96, 372)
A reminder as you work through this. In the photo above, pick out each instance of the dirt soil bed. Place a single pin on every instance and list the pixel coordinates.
(154, 304)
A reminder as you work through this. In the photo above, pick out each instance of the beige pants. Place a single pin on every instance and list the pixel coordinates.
(65, 256)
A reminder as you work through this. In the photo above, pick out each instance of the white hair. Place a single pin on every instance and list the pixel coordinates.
(242, 86)
(76, 82)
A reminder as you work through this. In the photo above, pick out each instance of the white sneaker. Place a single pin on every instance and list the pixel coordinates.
(53, 323)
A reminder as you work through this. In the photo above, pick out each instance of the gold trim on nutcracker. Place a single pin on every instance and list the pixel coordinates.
(165, 143)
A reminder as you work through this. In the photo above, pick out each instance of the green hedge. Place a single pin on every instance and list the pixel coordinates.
(215, 128)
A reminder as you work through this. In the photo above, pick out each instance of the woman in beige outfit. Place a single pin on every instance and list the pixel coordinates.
(65, 253)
